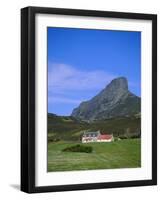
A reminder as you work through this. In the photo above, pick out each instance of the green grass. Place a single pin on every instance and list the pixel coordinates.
(118, 154)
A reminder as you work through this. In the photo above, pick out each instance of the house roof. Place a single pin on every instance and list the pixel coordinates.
(104, 137)
(91, 134)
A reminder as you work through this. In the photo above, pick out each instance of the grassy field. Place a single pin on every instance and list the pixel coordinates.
(119, 154)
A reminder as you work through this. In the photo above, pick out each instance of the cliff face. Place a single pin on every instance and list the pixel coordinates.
(113, 101)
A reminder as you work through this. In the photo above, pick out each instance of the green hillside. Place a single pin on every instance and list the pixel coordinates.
(70, 129)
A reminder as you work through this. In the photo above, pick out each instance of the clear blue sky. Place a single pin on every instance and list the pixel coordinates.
(82, 62)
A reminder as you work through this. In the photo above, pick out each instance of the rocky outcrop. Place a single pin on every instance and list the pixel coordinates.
(113, 101)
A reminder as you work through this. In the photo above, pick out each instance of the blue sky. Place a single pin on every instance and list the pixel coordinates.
(82, 62)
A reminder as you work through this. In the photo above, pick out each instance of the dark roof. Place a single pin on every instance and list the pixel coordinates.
(91, 134)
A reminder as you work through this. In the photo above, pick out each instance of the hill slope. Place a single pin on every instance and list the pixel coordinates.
(69, 128)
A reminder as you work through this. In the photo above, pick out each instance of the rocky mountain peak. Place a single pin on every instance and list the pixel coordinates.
(114, 100)
(119, 83)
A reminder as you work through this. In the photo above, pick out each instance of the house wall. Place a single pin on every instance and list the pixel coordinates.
(92, 139)
(110, 140)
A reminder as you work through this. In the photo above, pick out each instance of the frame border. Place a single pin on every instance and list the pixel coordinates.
(28, 98)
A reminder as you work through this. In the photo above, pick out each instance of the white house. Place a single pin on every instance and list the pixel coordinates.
(97, 137)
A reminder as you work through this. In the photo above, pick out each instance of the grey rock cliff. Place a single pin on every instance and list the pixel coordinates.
(113, 101)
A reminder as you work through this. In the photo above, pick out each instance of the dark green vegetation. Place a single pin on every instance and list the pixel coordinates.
(119, 154)
(70, 129)
(78, 148)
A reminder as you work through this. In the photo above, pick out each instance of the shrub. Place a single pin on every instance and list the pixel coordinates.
(122, 137)
(52, 139)
(132, 136)
(135, 136)
(78, 148)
